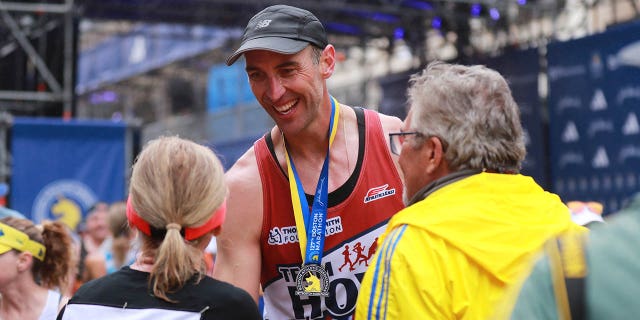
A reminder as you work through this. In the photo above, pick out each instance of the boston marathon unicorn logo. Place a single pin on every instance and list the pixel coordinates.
(68, 212)
(313, 283)
(63, 200)
(312, 280)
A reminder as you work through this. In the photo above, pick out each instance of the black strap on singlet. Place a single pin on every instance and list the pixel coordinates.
(343, 192)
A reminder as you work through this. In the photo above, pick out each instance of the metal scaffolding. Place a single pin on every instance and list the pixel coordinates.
(61, 92)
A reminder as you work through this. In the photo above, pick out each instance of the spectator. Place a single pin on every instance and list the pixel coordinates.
(97, 227)
(593, 279)
(35, 263)
(177, 203)
(586, 213)
(341, 156)
(95, 231)
(473, 223)
(119, 247)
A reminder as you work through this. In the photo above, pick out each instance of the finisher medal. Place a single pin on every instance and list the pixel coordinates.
(312, 280)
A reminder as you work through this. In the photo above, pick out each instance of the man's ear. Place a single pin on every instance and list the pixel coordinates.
(328, 61)
(433, 154)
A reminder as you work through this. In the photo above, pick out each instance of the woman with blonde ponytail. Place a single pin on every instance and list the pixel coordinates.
(177, 203)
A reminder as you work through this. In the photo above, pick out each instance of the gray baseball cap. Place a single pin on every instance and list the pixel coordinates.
(283, 29)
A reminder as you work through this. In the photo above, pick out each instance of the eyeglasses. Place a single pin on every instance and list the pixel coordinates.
(396, 139)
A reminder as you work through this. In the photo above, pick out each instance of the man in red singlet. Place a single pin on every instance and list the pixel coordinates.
(322, 178)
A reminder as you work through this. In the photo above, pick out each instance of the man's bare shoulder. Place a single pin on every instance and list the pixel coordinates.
(389, 123)
(244, 218)
(244, 173)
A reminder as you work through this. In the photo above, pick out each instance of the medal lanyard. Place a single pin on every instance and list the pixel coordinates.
(311, 225)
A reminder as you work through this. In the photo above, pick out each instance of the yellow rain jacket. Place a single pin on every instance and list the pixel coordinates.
(453, 254)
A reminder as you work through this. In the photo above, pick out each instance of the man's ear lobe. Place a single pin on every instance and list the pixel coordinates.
(439, 147)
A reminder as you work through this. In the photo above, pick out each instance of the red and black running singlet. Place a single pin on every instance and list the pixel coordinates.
(358, 212)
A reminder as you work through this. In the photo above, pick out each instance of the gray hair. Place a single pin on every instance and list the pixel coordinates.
(471, 109)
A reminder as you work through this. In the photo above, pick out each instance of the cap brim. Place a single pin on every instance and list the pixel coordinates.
(275, 44)
(586, 218)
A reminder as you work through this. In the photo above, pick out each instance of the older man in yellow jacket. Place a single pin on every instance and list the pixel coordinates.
(473, 223)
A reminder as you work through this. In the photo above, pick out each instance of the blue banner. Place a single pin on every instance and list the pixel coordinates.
(145, 48)
(594, 104)
(62, 168)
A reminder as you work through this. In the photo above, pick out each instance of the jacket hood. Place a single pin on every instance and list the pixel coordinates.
(497, 220)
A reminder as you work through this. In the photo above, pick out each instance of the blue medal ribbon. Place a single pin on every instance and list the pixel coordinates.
(311, 225)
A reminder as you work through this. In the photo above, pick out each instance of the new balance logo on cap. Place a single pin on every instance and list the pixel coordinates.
(263, 24)
(290, 30)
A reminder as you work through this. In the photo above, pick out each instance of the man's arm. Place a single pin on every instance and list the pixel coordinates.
(239, 257)
(391, 124)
